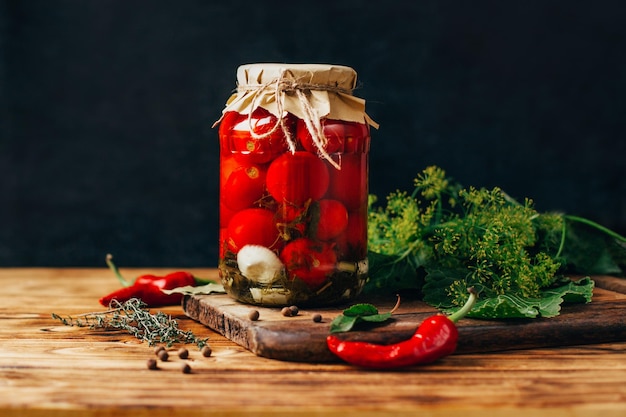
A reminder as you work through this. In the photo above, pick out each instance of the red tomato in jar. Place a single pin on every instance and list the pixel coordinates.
(297, 177)
(292, 218)
(244, 187)
(349, 184)
(332, 131)
(341, 136)
(248, 149)
(225, 215)
(352, 243)
(332, 221)
(227, 165)
(229, 120)
(357, 137)
(309, 261)
(254, 226)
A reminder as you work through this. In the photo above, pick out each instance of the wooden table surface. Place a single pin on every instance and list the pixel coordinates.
(48, 369)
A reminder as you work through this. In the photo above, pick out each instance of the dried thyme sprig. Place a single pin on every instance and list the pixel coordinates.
(134, 317)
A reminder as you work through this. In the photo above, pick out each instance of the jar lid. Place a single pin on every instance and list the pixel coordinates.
(298, 88)
(339, 76)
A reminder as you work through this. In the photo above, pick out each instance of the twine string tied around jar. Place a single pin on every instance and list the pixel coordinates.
(285, 84)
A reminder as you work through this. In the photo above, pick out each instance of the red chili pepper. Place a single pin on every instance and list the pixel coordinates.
(148, 288)
(435, 338)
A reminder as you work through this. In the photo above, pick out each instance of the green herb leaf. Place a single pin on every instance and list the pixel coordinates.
(360, 310)
(343, 323)
(572, 291)
(376, 318)
(443, 238)
(587, 250)
(391, 273)
(548, 304)
(355, 314)
(206, 289)
(506, 306)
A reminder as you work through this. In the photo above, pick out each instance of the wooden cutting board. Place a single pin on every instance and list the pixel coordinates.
(300, 339)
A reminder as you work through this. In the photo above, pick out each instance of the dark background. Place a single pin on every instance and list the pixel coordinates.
(106, 110)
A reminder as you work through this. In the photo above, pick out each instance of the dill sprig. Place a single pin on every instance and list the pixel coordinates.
(134, 317)
(442, 238)
(479, 235)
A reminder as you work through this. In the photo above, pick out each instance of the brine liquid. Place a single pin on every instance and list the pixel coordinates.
(302, 222)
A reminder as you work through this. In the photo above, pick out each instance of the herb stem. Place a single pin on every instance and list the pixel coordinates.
(116, 271)
(469, 304)
(596, 226)
(134, 317)
(562, 243)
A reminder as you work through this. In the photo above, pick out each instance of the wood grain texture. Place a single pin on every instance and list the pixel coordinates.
(300, 339)
(47, 369)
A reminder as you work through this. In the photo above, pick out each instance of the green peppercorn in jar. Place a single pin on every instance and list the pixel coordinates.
(294, 147)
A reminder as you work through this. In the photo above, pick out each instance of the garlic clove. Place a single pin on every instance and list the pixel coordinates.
(270, 296)
(259, 264)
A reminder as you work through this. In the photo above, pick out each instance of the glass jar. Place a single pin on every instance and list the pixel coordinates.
(294, 145)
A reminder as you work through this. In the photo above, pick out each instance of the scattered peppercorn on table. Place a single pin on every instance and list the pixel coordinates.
(48, 369)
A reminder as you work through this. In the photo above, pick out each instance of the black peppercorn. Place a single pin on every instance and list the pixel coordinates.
(183, 353)
(152, 364)
(254, 315)
(163, 355)
(206, 351)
